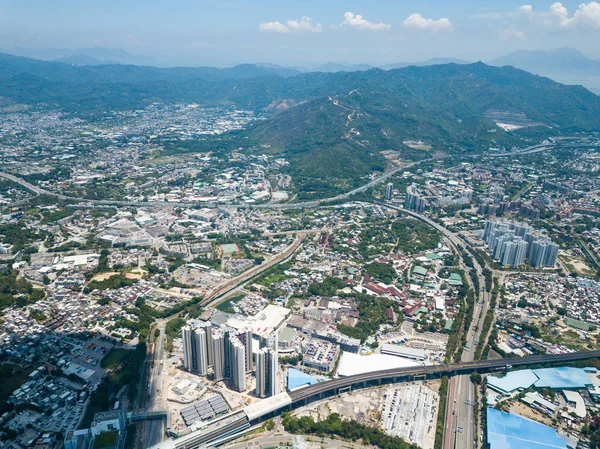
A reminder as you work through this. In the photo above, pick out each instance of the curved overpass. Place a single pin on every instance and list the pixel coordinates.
(233, 425)
(399, 374)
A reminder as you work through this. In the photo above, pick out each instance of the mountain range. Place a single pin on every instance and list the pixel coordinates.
(83, 56)
(565, 65)
(332, 127)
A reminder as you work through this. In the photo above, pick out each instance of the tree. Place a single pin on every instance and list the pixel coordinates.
(476, 378)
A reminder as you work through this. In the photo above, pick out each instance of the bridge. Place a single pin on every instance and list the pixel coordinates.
(229, 427)
(142, 415)
(332, 387)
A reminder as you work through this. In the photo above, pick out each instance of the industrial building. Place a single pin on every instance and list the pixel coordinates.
(559, 378)
(204, 410)
(353, 364)
(404, 351)
(319, 355)
(507, 431)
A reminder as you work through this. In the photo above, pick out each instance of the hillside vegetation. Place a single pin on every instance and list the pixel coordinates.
(332, 127)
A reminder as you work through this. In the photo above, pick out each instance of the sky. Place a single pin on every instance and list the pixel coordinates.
(302, 33)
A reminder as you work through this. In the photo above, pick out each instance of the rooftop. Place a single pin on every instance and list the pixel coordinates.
(506, 431)
(512, 381)
(560, 378)
(351, 364)
(297, 378)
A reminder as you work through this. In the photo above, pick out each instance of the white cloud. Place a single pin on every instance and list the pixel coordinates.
(276, 27)
(358, 21)
(304, 24)
(587, 15)
(560, 13)
(419, 22)
(526, 9)
(510, 34)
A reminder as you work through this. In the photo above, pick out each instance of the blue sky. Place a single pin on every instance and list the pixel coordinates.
(308, 32)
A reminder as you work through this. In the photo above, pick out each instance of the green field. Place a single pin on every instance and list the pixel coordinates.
(114, 358)
(106, 439)
(273, 278)
(225, 306)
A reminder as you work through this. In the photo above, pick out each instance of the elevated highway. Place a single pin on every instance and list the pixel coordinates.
(231, 426)
(335, 386)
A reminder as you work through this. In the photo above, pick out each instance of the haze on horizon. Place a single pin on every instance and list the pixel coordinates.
(301, 33)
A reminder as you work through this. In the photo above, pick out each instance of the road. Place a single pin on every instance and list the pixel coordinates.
(461, 392)
(237, 422)
(378, 180)
(287, 440)
(307, 204)
(460, 388)
(234, 283)
(155, 392)
(155, 383)
(374, 378)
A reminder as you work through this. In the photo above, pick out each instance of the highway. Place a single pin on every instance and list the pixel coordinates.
(234, 283)
(287, 440)
(231, 426)
(461, 391)
(398, 374)
(306, 204)
(460, 388)
(155, 393)
(155, 383)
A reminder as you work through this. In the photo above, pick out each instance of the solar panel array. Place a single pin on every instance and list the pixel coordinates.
(204, 410)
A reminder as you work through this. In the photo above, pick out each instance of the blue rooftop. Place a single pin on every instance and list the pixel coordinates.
(506, 431)
(563, 378)
(297, 379)
(513, 380)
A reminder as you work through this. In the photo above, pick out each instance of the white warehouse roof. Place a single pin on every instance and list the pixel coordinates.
(351, 364)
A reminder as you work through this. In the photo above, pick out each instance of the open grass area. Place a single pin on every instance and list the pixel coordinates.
(570, 339)
(106, 439)
(273, 278)
(577, 266)
(114, 358)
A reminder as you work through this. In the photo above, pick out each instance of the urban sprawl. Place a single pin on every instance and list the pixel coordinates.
(173, 299)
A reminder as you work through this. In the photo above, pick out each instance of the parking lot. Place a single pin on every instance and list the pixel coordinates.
(89, 355)
(410, 412)
(200, 279)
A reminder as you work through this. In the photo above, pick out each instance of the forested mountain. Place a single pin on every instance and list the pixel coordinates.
(331, 126)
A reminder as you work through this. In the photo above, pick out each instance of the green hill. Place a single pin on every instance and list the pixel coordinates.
(332, 127)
